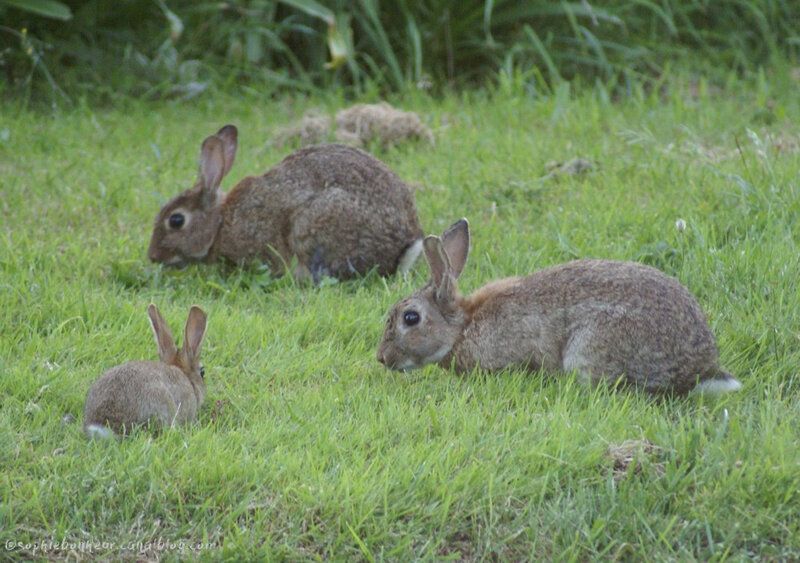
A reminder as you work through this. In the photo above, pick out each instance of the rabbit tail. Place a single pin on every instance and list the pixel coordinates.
(99, 431)
(721, 384)
(409, 256)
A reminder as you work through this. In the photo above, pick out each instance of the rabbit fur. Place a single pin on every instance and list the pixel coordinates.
(338, 209)
(165, 393)
(604, 319)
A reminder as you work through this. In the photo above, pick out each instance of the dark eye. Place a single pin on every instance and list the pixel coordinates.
(202, 370)
(411, 318)
(176, 220)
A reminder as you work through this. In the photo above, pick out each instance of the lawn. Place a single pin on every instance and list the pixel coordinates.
(306, 447)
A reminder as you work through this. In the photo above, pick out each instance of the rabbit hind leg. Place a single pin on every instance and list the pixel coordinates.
(589, 356)
(330, 237)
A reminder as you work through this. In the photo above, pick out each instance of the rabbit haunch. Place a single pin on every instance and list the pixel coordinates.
(603, 319)
(164, 393)
(338, 209)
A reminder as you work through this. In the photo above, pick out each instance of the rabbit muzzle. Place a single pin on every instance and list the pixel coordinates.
(392, 360)
(404, 360)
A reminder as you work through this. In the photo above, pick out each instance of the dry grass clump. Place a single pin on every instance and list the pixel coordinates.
(574, 167)
(784, 142)
(358, 125)
(632, 452)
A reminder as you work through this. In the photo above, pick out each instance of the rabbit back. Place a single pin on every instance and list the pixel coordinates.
(340, 210)
(601, 318)
(139, 392)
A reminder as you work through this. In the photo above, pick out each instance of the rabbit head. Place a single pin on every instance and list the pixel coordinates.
(187, 225)
(422, 328)
(187, 358)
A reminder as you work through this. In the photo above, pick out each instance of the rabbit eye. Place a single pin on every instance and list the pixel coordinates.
(411, 318)
(202, 370)
(176, 220)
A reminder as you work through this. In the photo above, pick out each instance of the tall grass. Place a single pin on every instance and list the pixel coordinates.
(181, 49)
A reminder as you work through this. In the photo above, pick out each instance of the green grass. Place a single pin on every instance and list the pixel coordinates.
(196, 47)
(306, 447)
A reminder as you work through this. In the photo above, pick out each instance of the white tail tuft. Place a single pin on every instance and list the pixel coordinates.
(99, 431)
(409, 256)
(717, 387)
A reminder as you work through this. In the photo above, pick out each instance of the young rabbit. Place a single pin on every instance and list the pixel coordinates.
(166, 392)
(339, 210)
(603, 319)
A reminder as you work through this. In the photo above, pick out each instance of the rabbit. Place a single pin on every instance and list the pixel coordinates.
(338, 209)
(605, 320)
(166, 392)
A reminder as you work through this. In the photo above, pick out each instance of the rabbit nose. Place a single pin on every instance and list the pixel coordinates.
(382, 354)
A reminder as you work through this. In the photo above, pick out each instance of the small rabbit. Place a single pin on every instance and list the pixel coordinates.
(166, 392)
(603, 319)
(338, 209)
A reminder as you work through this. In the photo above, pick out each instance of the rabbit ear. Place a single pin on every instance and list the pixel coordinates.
(216, 159)
(164, 340)
(442, 278)
(212, 168)
(194, 333)
(456, 243)
(229, 136)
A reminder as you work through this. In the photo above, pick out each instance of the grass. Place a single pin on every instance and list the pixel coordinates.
(306, 447)
(196, 47)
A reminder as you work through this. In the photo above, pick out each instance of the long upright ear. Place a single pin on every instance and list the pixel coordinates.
(229, 136)
(195, 332)
(164, 340)
(442, 278)
(216, 159)
(212, 169)
(456, 243)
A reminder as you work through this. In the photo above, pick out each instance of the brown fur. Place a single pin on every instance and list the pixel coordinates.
(163, 393)
(487, 294)
(339, 210)
(603, 319)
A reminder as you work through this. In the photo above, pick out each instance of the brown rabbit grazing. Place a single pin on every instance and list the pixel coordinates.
(165, 393)
(338, 209)
(605, 320)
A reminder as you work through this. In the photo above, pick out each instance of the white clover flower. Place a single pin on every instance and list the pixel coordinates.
(680, 225)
